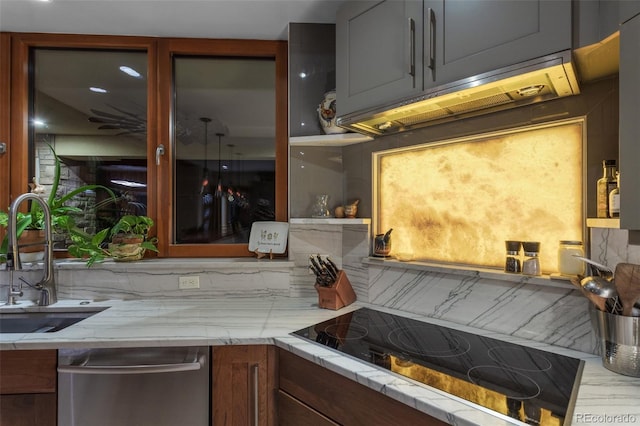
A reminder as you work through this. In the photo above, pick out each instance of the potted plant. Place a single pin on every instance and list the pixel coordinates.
(62, 215)
(130, 238)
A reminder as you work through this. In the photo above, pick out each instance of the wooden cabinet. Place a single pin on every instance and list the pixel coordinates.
(322, 397)
(629, 136)
(470, 37)
(378, 53)
(243, 385)
(28, 388)
(391, 49)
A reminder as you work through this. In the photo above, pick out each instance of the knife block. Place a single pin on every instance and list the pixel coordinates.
(338, 295)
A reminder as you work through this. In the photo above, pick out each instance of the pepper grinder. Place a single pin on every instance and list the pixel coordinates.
(512, 262)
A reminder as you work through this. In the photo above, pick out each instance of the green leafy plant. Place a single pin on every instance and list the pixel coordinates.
(94, 248)
(88, 247)
(132, 225)
(61, 214)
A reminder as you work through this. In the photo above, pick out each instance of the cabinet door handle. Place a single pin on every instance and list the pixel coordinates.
(412, 48)
(432, 40)
(3, 148)
(255, 392)
(159, 152)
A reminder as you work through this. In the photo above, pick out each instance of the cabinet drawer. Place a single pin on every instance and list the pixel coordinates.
(28, 371)
(342, 400)
(292, 412)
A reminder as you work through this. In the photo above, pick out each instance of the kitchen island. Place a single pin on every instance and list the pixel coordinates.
(603, 396)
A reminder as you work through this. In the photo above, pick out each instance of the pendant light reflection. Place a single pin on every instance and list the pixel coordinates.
(205, 187)
(205, 171)
(219, 190)
(230, 173)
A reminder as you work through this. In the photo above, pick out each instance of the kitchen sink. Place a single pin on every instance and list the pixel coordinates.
(41, 322)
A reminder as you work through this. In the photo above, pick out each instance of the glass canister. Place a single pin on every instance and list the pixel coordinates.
(321, 206)
(512, 260)
(568, 264)
(531, 262)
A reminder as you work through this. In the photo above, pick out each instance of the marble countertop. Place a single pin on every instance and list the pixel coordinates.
(603, 396)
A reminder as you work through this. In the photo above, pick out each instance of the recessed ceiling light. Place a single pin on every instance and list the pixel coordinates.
(98, 89)
(303, 75)
(38, 122)
(130, 71)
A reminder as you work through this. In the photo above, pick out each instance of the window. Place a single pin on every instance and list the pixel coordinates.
(107, 124)
(93, 112)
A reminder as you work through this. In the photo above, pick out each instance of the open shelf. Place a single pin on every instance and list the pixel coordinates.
(596, 222)
(329, 221)
(340, 139)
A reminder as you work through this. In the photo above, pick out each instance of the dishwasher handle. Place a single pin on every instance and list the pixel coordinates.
(132, 369)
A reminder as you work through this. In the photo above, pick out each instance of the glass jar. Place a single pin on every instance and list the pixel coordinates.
(512, 261)
(321, 206)
(531, 262)
(568, 264)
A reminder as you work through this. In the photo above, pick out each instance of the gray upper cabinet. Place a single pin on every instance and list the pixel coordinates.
(390, 49)
(629, 147)
(628, 9)
(469, 37)
(595, 20)
(378, 52)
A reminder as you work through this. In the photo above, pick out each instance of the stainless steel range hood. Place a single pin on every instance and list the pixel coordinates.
(542, 79)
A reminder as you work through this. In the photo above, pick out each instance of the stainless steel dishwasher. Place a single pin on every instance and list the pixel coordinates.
(134, 386)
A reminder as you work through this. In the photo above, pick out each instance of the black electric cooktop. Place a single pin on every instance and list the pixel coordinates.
(530, 385)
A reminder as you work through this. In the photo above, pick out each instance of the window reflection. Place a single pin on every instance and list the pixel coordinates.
(91, 107)
(224, 147)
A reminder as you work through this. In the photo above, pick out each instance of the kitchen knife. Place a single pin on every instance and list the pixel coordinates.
(314, 262)
(333, 265)
(329, 270)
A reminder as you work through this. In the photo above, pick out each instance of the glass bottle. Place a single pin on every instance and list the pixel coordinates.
(614, 198)
(512, 261)
(604, 187)
(568, 264)
(531, 262)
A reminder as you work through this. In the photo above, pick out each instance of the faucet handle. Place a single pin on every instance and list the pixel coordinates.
(12, 293)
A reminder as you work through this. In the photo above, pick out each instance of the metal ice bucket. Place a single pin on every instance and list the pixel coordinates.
(619, 338)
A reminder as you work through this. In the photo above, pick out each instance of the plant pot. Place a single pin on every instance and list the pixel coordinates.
(127, 239)
(126, 247)
(31, 244)
(123, 252)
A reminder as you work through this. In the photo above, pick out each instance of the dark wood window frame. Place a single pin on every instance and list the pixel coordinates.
(159, 99)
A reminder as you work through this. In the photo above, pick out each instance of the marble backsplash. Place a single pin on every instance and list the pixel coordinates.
(611, 246)
(546, 311)
(552, 313)
(543, 310)
(154, 278)
(346, 244)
